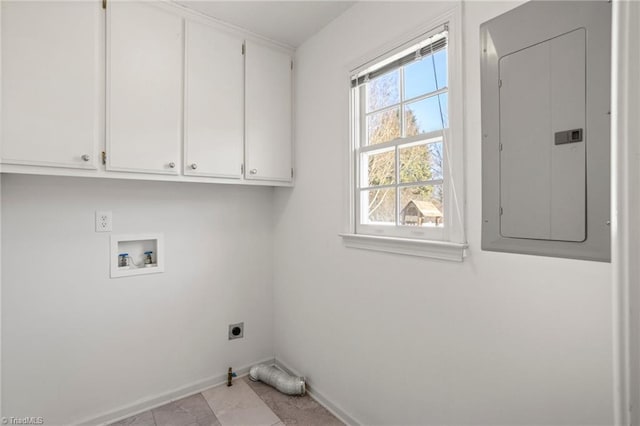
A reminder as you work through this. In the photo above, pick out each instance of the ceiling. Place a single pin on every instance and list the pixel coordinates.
(288, 22)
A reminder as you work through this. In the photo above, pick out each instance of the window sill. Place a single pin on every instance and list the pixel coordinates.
(441, 250)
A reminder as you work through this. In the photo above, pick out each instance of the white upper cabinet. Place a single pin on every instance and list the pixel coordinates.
(268, 113)
(166, 93)
(214, 103)
(52, 61)
(144, 88)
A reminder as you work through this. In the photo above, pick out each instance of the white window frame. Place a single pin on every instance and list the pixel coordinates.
(449, 242)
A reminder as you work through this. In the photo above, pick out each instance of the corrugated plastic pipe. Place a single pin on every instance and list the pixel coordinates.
(290, 385)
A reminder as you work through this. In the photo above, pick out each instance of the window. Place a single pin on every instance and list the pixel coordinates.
(407, 149)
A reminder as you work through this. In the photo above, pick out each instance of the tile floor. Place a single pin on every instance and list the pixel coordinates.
(246, 403)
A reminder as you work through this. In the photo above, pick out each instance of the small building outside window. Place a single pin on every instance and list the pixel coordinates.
(420, 213)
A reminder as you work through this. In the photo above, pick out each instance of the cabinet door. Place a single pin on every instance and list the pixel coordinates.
(268, 113)
(144, 88)
(214, 102)
(51, 83)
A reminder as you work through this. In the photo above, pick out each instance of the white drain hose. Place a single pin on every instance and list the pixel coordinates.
(289, 385)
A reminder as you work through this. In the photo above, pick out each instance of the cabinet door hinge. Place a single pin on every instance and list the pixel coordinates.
(500, 147)
(104, 4)
(292, 173)
(291, 64)
(241, 169)
(499, 83)
(104, 157)
(244, 48)
(501, 211)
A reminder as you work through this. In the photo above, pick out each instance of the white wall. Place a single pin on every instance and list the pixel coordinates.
(500, 339)
(626, 207)
(77, 343)
(1, 412)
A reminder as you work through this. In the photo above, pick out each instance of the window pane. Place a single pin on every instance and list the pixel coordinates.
(419, 76)
(421, 162)
(379, 206)
(381, 168)
(383, 126)
(421, 206)
(383, 91)
(426, 115)
(440, 60)
(444, 101)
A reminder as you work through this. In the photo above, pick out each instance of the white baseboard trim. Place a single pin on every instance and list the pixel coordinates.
(314, 393)
(149, 403)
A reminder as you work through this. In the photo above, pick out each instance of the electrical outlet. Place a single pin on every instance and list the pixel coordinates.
(103, 221)
(236, 331)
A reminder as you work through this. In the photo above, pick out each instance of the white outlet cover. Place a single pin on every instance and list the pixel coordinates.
(104, 222)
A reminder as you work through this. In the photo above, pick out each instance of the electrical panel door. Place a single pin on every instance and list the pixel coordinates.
(546, 121)
(543, 140)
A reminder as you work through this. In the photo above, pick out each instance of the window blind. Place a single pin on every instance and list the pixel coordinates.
(428, 49)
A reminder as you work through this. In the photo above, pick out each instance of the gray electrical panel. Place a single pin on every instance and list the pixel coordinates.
(545, 130)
